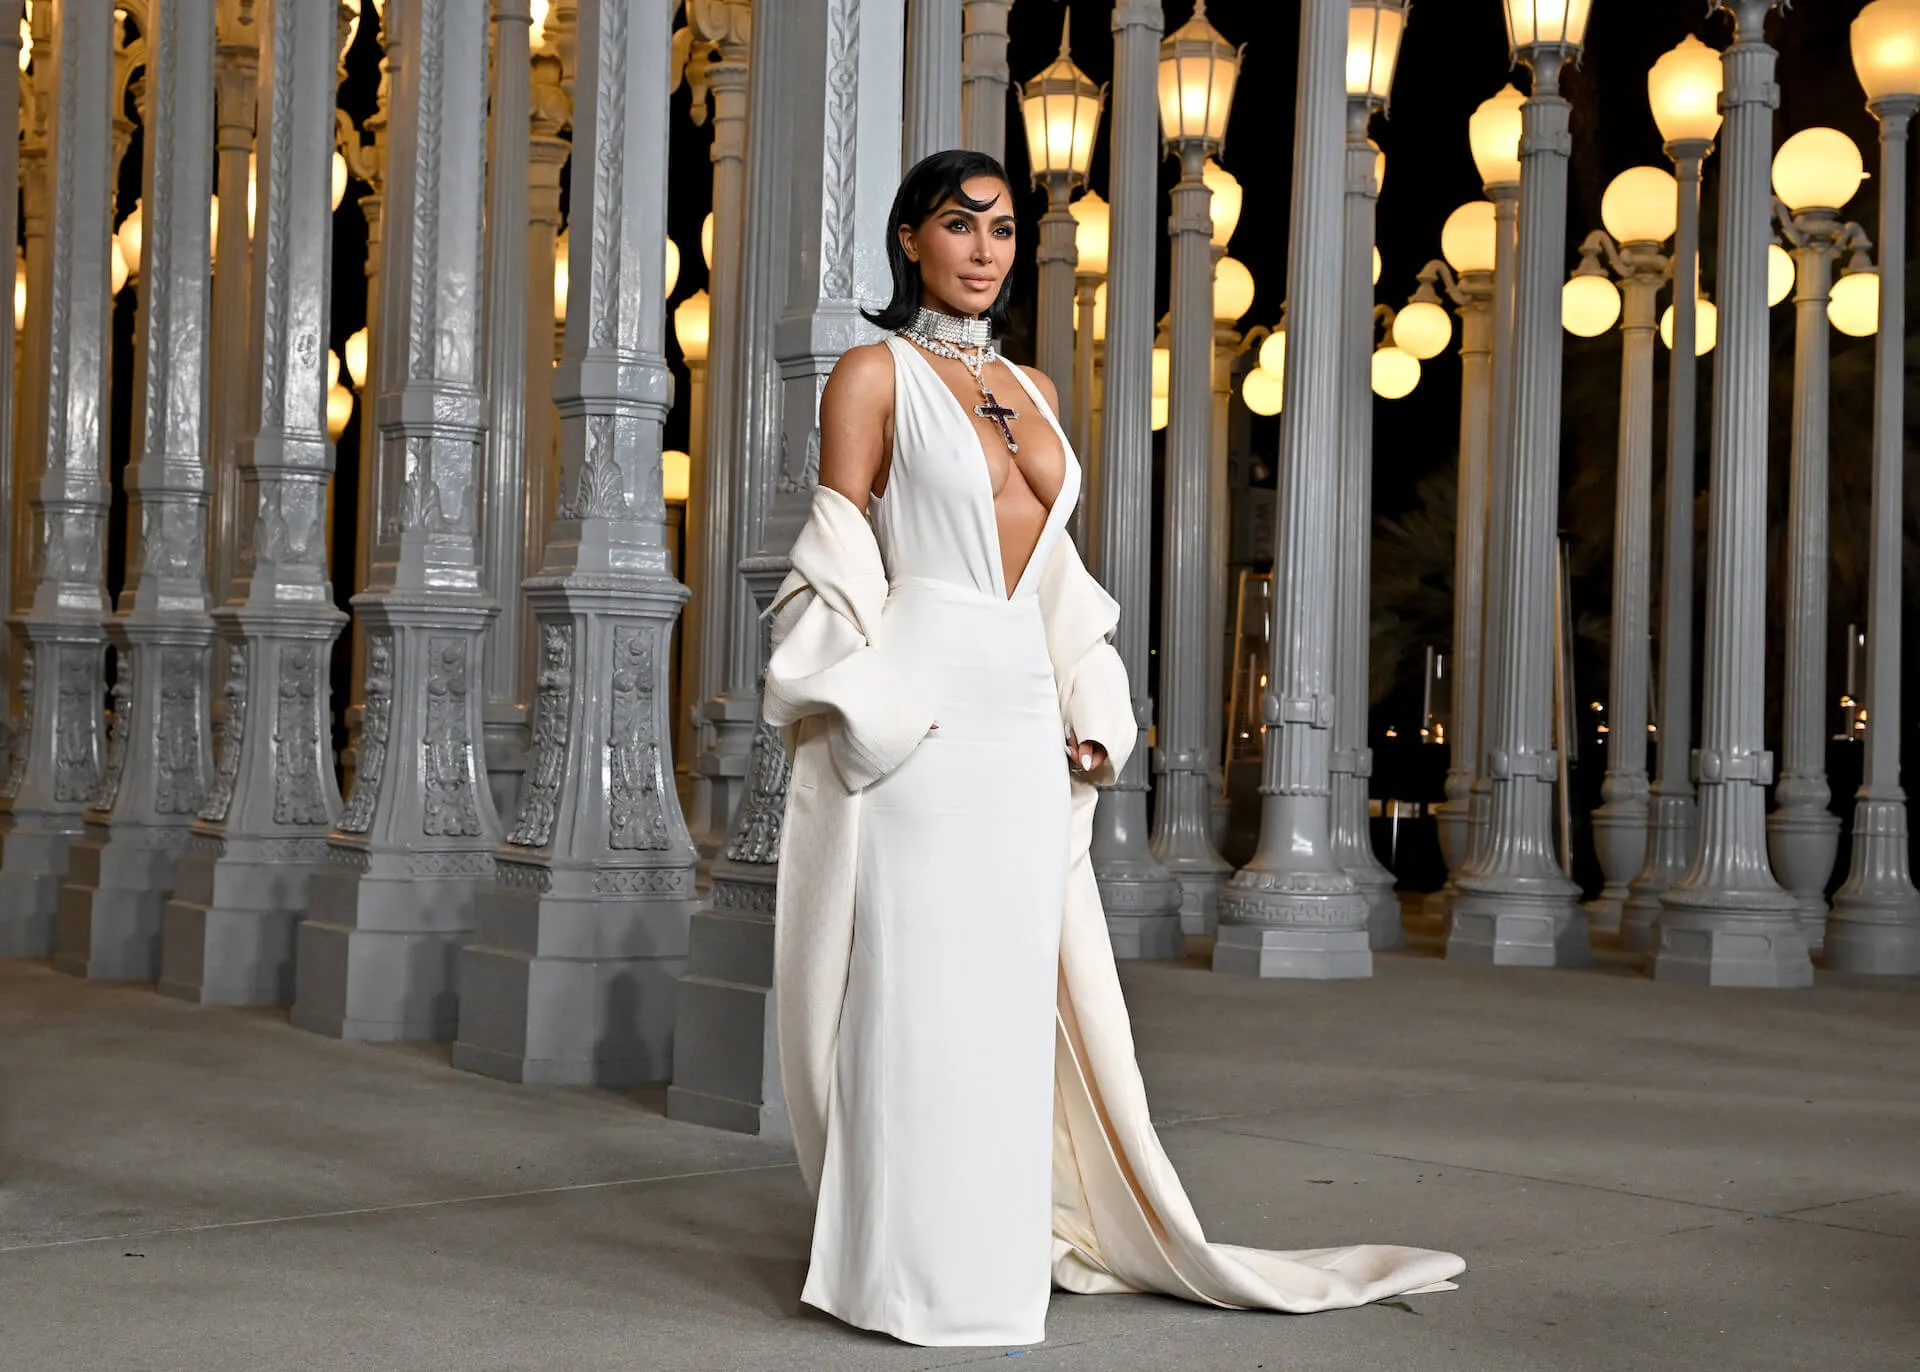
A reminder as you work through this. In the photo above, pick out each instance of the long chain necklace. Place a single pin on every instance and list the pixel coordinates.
(938, 334)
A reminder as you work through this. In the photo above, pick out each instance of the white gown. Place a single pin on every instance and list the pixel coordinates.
(935, 1203)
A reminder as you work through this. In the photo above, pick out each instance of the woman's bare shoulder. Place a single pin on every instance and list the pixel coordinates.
(1044, 384)
(864, 374)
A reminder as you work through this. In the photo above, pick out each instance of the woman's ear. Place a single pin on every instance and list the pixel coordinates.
(907, 244)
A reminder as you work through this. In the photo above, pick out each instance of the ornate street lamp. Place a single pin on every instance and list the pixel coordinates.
(1514, 904)
(1683, 89)
(1876, 914)
(1090, 238)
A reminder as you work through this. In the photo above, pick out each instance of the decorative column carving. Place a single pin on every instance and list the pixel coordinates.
(1514, 905)
(569, 976)
(1294, 911)
(726, 1070)
(1620, 824)
(228, 936)
(1803, 834)
(1727, 922)
(503, 502)
(1876, 913)
(932, 96)
(56, 767)
(1350, 764)
(1671, 817)
(727, 701)
(984, 77)
(1141, 897)
(160, 759)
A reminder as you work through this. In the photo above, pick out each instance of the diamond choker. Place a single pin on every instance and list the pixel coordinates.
(948, 328)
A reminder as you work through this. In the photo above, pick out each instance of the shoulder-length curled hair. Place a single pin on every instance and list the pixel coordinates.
(931, 183)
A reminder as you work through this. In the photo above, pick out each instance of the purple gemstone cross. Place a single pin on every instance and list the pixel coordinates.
(999, 414)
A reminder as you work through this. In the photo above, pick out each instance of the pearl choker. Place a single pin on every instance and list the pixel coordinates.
(949, 328)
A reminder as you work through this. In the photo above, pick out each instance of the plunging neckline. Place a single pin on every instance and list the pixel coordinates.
(986, 476)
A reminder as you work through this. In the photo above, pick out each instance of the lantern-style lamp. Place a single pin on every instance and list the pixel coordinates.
(560, 274)
(1395, 373)
(1706, 325)
(1641, 205)
(1467, 239)
(1090, 234)
(1232, 290)
(1061, 107)
(1198, 69)
(356, 358)
(676, 476)
(1373, 48)
(1886, 49)
(1543, 26)
(1817, 169)
(1684, 89)
(692, 320)
(1226, 200)
(1262, 391)
(1493, 134)
(1589, 302)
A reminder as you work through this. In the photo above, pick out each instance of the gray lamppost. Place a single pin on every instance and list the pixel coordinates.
(1294, 910)
(1514, 904)
(1090, 229)
(1373, 48)
(1876, 915)
(1062, 111)
(984, 76)
(1727, 921)
(1684, 90)
(1814, 174)
(932, 79)
(1198, 69)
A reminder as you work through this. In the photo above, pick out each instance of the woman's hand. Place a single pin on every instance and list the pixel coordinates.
(1085, 757)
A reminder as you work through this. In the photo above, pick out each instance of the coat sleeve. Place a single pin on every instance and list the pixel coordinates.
(1096, 704)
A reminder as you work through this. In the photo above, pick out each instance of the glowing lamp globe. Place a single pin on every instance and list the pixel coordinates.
(20, 297)
(1589, 305)
(1061, 107)
(116, 266)
(1817, 169)
(692, 320)
(1684, 89)
(1198, 69)
(1379, 166)
(1376, 266)
(1232, 290)
(1157, 413)
(356, 358)
(131, 230)
(1886, 48)
(1100, 313)
(1546, 24)
(339, 410)
(1493, 133)
(1225, 205)
(1780, 274)
(333, 369)
(1262, 391)
(1468, 239)
(1395, 373)
(1273, 354)
(1641, 205)
(673, 265)
(1373, 47)
(676, 476)
(561, 276)
(339, 178)
(706, 240)
(1422, 329)
(1854, 306)
(1090, 219)
(253, 189)
(1706, 324)
(1162, 372)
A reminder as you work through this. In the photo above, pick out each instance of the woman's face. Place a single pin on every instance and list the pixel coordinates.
(964, 255)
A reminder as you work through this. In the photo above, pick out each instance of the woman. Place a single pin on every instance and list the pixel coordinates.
(955, 1051)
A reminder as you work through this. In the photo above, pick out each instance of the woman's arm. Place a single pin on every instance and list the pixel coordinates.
(856, 423)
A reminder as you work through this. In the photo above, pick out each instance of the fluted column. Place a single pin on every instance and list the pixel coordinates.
(1141, 898)
(1671, 817)
(1620, 824)
(30, 415)
(1803, 834)
(1294, 910)
(236, 72)
(1085, 286)
(931, 100)
(14, 97)
(1226, 347)
(569, 975)
(1056, 258)
(726, 1071)
(1350, 763)
(984, 77)
(57, 755)
(1727, 922)
(228, 935)
(1514, 905)
(503, 503)
(1875, 925)
(160, 759)
(552, 109)
(727, 705)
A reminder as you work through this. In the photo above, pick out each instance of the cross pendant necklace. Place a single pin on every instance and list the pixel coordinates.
(975, 361)
(999, 414)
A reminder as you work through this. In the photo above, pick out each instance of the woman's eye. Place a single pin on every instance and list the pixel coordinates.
(1003, 232)
(958, 225)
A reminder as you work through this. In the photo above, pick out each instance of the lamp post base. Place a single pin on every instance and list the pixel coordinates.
(1875, 926)
(1803, 842)
(1671, 833)
(227, 937)
(114, 901)
(1506, 933)
(34, 855)
(726, 1052)
(1200, 888)
(1265, 950)
(1141, 898)
(1620, 836)
(1704, 946)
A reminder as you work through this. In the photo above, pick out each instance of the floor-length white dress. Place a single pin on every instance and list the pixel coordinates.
(934, 1220)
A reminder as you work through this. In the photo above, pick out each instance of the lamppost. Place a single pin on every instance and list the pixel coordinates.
(1198, 69)
(1062, 111)
(1876, 915)
(1089, 270)
(1515, 905)
(1726, 921)
(1232, 298)
(1373, 49)
(1684, 90)
(1640, 211)
(1815, 173)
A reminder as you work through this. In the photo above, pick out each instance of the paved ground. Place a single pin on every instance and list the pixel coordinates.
(1640, 1176)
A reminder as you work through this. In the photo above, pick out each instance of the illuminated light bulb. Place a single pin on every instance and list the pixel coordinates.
(1262, 391)
(1376, 266)
(356, 358)
(1706, 323)
(1157, 415)
(339, 411)
(1162, 371)
(131, 230)
(1780, 274)
(560, 275)
(676, 476)
(116, 266)
(1395, 373)
(1232, 290)
(1423, 329)
(1467, 239)
(1854, 306)
(1589, 305)
(1817, 169)
(339, 177)
(706, 240)
(333, 369)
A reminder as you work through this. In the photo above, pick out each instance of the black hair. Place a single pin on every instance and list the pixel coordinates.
(932, 182)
